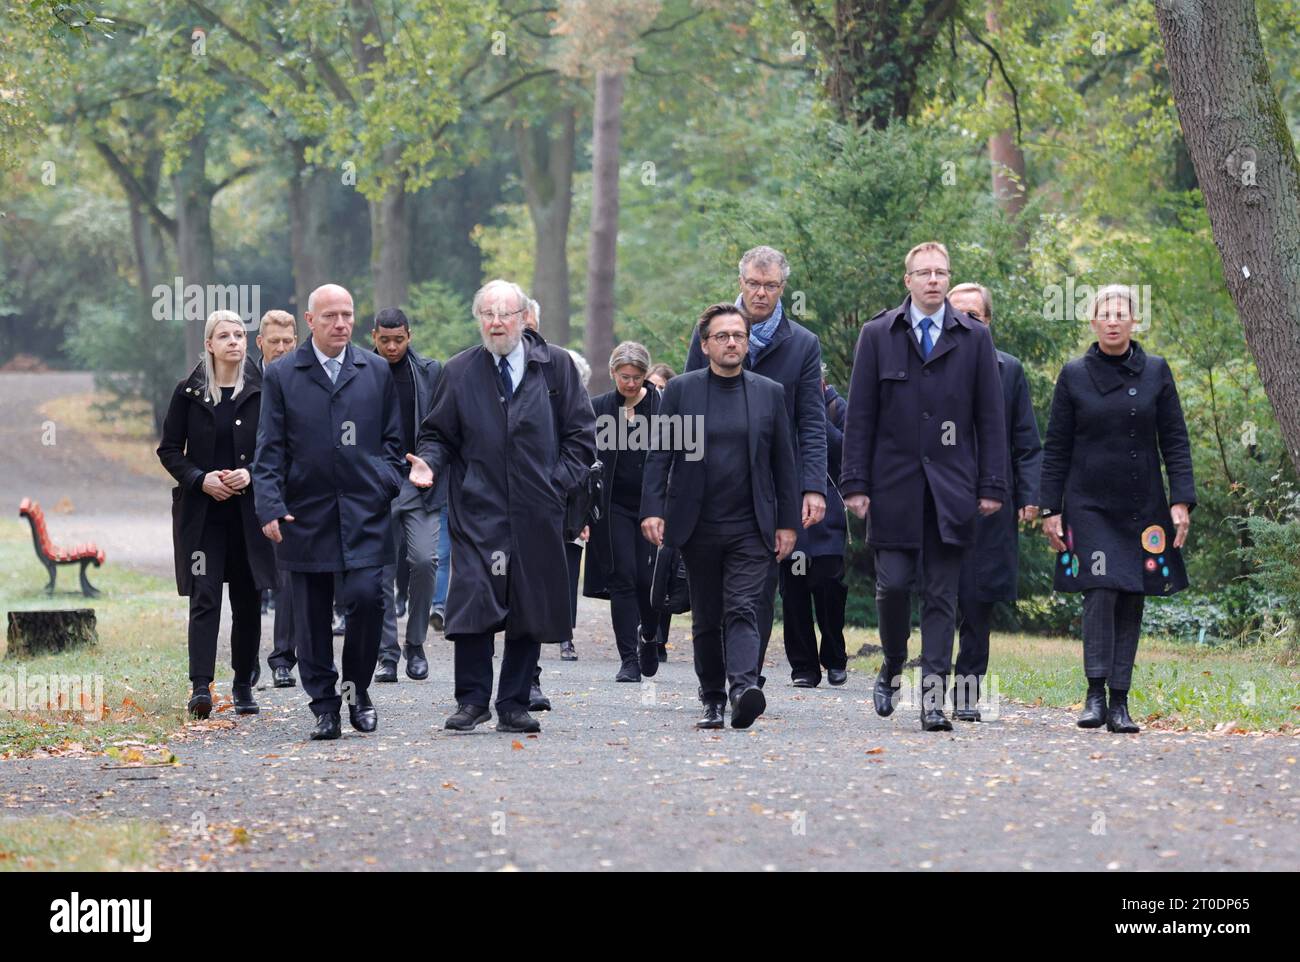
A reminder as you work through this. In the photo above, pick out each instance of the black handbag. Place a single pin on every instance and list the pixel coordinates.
(669, 591)
(582, 504)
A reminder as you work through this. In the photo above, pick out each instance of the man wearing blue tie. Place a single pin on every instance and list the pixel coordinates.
(925, 451)
(328, 459)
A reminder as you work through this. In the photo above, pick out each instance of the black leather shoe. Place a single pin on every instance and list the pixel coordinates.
(629, 672)
(837, 676)
(242, 695)
(437, 620)
(1094, 710)
(257, 675)
(962, 708)
(647, 656)
(1117, 718)
(327, 727)
(399, 607)
(885, 694)
(663, 652)
(803, 681)
(417, 666)
(200, 705)
(712, 717)
(568, 652)
(282, 678)
(537, 701)
(466, 717)
(517, 721)
(386, 672)
(364, 718)
(747, 706)
(934, 720)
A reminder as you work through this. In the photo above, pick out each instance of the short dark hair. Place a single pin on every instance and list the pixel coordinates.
(392, 317)
(717, 310)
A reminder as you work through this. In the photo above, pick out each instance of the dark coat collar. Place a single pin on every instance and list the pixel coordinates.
(196, 384)
(1107, 376)
(951, 318)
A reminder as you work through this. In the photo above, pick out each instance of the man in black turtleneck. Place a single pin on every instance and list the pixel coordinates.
(416, 513)
(730, 512)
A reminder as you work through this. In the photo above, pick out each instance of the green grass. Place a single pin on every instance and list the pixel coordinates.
(141, 656)
(1175, 686)
(78, 845)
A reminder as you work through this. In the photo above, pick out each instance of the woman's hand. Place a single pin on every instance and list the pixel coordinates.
(236, 480)
(214, 486)
(1054, 528)
(1182, 516)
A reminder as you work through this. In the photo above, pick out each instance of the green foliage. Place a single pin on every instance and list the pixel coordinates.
(441, 323)
(1274, 559)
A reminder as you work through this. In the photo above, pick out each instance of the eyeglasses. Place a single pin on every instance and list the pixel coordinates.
(725, 337)
(630, 378)
(499, 315)
(770, 287)
(937, 272)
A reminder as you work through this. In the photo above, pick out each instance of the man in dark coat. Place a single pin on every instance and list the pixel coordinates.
(991, 568)
(329, 463)
(787, 352)
(731, 512)
(416, 513)
(925, 450)
(513, 427)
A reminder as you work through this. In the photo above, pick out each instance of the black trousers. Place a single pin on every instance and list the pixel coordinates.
(973, 620)
(473, 663)
(727, 578)
(937, 568)
(362, 600)
(283, 654)
(1112, 623)
(813, 594)
(224, 559)
(766, 608)
(630, 583)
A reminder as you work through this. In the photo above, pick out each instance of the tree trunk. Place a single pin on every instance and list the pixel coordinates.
(1246, 164)
(308, 217)
(603, 254)
(1005, 156)
(192, 194)
(546, 163)
(390, 240)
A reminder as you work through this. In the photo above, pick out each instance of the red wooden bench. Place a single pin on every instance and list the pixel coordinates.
(51, 556)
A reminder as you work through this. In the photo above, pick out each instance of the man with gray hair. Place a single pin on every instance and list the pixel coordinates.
(513, 426)
(787, 352)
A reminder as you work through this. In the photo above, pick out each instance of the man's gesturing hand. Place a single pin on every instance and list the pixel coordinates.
(858, 504)
(272, 528)
(421, 473)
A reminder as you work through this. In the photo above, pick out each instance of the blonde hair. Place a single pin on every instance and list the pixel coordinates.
(922, 248)
(983, 293)
(211, 394)
(278, 319)
(1116, 291)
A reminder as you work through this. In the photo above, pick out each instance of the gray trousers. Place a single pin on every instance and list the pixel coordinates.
(415, 532)
(1112, 622)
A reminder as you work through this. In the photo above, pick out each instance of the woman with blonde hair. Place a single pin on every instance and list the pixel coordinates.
(1115, 420)
(208, 446)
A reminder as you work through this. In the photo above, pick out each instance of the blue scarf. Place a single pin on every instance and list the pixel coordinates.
(761, 334)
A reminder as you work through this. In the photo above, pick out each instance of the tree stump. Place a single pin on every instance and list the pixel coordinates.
(34, 633)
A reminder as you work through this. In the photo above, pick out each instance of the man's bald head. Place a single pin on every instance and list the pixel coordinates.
(330, 316)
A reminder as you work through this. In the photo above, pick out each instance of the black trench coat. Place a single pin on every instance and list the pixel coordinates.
(186, 451)
(1110, 427)
(915, 420)
(511, 472)
(991, 569)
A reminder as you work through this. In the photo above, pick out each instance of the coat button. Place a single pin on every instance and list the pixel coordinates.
(1130, 434)
(1134, 475)
(239, 422)
(1132, 392)
(1135, 517)
(1132, 412)
(925, 460)
(925, 415)
(902, 374)
(242, 458)
(1133, 455)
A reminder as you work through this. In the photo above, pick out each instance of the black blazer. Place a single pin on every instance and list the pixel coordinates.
(674, 487)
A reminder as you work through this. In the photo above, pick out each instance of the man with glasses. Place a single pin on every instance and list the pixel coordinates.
(732, 513)
(991, 567)
(513, 426)
(925, 451)
(782, 349)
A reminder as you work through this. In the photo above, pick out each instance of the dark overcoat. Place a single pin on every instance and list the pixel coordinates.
(426, 371)
(914, 420)
(186, 451)
(831, 535)
(511, 468)
(674, 486)
(793, 358)
(600, 547)
(991, 569)
(331, 456)
(1111, 426)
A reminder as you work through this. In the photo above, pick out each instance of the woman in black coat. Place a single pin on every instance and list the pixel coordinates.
(208, 447)
(1115, 417)
(620, 562)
